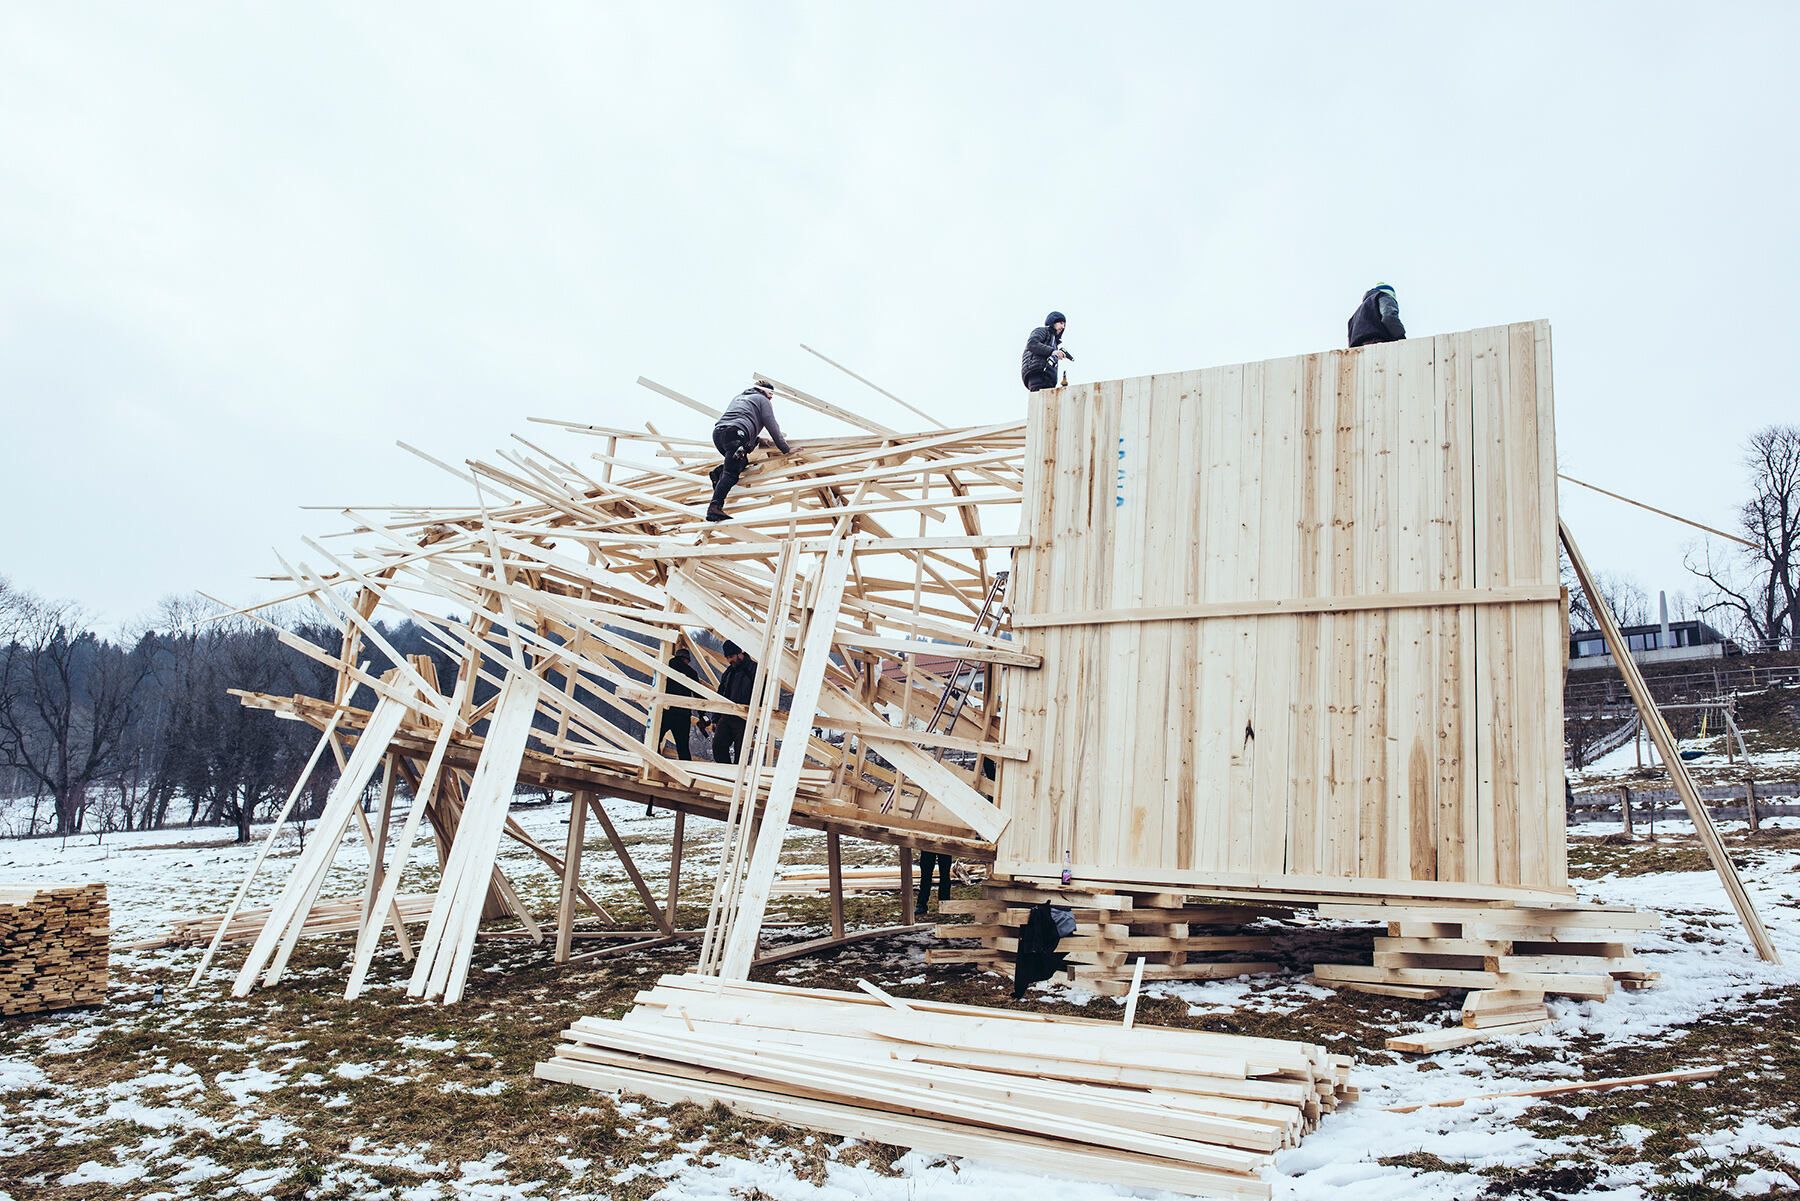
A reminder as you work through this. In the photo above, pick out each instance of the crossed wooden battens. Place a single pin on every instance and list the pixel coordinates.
(577, 585)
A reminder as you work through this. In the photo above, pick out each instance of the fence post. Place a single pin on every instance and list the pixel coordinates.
(1625, 807)
(1750, 803)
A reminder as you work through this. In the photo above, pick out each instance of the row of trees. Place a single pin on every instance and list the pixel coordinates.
(141, 732)
(144, 731)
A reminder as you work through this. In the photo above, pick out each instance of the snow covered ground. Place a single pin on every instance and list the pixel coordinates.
(294, 1092)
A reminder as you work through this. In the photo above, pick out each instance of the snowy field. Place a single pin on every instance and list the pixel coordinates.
(294, 1092)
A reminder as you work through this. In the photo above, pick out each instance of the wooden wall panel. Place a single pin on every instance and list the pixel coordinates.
(1362, 741)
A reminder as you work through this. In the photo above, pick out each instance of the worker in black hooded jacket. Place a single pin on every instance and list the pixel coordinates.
(1043, 351)
(736, 683)
(1377, 318)
(677, 722)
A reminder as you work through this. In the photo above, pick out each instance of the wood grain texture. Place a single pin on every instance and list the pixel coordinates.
(1298, 617)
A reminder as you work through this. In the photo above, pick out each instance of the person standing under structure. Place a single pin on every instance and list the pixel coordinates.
(677, 723)
(736, 684)
(929, 861)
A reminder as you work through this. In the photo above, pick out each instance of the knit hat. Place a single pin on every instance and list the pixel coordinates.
(1053, 318)
(732, 648)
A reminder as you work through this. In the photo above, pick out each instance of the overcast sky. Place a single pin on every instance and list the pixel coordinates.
(243, 248)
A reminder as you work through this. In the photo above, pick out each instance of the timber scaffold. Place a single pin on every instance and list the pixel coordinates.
(1190, 655)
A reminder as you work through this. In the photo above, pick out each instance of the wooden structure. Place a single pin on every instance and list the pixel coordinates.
(1278, 636)
(53, 947)
(1301, 626)
(578, 582)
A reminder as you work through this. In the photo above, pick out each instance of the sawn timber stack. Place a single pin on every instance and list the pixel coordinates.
(53, 947)
(1145, 1107)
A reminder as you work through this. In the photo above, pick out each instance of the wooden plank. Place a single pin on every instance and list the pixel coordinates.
(1452, 1037)
(1355, 603)
(1666, 747)
(1577, 1086)
(740, 945)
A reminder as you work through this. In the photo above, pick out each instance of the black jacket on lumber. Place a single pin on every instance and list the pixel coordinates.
(1036, 368)
(1376, 319)
(683, 663)
(738, 680)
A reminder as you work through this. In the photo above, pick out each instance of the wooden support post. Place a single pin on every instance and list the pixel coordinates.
(906, 885)
(378, 847)
(1750, 804)
(834, 868)
(1625, 807)
(673, 907)
(1664, 741)
(565, 909)
(631, 868)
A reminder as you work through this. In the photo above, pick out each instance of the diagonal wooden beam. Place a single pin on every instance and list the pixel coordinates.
(1671, 755)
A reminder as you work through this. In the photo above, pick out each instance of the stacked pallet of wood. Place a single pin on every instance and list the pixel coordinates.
(1145, 1107)
(1432, 948)
(326, 917)
(53, 947)
(1113, 930)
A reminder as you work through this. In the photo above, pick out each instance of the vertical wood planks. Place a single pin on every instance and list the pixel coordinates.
(1411, 742)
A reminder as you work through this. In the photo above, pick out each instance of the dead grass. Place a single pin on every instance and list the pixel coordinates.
(350, 1135)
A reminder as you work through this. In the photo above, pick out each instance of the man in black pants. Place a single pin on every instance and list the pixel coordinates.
(1043, 351)
(927, 861)
(736, 434)
(677, 722)
(1377, 318)
(735, 685)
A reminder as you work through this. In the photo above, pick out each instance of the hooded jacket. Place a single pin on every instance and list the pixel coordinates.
(683, 663)
(1037, 370)
(1376, 319)
(738, 681)
(752, 409)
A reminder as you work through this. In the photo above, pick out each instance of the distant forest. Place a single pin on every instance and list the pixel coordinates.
(98, 734)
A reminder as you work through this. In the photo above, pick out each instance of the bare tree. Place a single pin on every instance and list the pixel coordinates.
(1760, 589)
(1581, 614)
(66, 702)
(1629, 603)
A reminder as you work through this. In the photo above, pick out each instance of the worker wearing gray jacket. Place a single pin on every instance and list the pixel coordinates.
(736, 434)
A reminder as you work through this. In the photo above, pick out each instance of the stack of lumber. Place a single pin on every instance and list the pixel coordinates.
(1487, 1014)
(810, 883)
(816, 881)
(1144, 1107)
(326, 917)
(1113, 930)
(1432, 948)
(53, 947)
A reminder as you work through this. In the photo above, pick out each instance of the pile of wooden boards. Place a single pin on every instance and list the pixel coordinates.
(1113, 930)
(1144, 1107)
(817, 883)
(326, 917)
(1432, 948)
(1487, 1013)
(53, 947)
